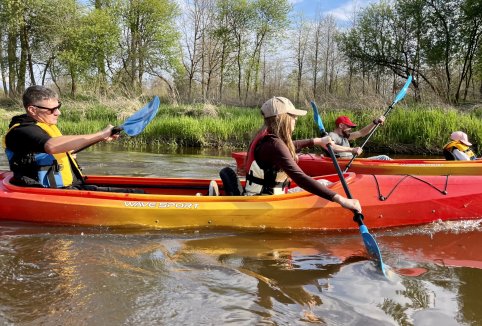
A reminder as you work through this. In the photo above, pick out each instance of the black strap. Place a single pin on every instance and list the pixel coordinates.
(77, 174)
(262, 182)
(51, 177)
(51, 169)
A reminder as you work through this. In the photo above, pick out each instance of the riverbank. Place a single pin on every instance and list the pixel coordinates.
(414, 130)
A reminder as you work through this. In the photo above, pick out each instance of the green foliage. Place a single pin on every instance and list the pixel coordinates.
(271, 15)
(84, 38)
(435, 41)
(250, 25)
(188, 126)
(407, 130)
(151, 39)
(81, 44)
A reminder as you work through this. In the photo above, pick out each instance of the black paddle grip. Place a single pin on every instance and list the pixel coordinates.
(358, 218)
(116, 130)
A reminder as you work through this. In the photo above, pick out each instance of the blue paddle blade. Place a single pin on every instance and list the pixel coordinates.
(403, 91)
(136, 123)
(317, 118)
(372, 248)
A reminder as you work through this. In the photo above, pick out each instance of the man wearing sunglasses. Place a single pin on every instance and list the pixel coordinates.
(38, 154)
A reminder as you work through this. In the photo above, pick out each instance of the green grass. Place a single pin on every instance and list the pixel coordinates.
(407, 130)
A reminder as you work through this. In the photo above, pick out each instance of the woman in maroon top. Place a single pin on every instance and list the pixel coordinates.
(272, 159)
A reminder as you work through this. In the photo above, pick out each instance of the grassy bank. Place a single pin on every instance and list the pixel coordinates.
(408, 130)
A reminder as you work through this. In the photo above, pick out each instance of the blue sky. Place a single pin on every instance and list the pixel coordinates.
(342, 10)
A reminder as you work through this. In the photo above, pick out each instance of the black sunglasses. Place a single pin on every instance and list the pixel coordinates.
(52, 110)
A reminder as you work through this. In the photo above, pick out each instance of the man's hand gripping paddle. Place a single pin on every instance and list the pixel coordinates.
(137, 122)
(399, 96)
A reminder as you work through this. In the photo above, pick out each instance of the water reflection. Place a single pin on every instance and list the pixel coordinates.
(54, 275)
(103, 276)
(308, 274)
(37, 277)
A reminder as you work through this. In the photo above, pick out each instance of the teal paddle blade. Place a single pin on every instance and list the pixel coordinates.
(403, 91)
(372, 248)
(370, 243)
(136, 123)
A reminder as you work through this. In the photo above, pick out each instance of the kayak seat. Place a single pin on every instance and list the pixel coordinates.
(231, 184)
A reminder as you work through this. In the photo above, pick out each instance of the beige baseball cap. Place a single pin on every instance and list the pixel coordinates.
(460, 136)
(279, 105)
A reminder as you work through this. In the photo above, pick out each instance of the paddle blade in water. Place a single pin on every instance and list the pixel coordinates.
(136, 123)
(372, 248)
(370, 243)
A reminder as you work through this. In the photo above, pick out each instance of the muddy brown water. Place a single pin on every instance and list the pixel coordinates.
(99, 276)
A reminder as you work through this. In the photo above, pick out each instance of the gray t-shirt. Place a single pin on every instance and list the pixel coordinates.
(341, 141)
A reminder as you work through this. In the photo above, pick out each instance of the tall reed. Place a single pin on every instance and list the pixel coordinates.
(414, 129)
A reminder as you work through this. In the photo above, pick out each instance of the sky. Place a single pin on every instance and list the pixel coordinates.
(341, 10)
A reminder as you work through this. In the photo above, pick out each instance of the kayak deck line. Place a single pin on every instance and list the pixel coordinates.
(390, 192)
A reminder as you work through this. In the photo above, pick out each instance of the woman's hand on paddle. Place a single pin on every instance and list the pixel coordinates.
(323, 142)
(351, 204)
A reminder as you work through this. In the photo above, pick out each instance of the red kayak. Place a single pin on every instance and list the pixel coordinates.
(319, 165)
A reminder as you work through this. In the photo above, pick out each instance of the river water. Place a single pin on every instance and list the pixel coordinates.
(100, 276)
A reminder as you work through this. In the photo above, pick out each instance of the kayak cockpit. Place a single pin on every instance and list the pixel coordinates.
(149, 185)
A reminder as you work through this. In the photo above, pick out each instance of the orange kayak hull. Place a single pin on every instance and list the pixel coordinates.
(172, 203)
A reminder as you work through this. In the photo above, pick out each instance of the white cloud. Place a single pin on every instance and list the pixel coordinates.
(346, 11)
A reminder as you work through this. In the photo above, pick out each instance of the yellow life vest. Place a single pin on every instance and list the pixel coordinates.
(63, 164)
(461, 147)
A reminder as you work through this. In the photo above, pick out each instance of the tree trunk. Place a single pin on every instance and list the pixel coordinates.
(22, 68)
(47, 68)
(316, 59)
(73, 86)
(203, 66)
(480, 91)
(239, 44)
(2, 67)
(29, 57)
(100, 62)
(12, 64)
(221, 70)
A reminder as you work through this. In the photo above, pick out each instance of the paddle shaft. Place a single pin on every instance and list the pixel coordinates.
(399, 96)
(358, 217)
(387, 112)
(370, 242)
